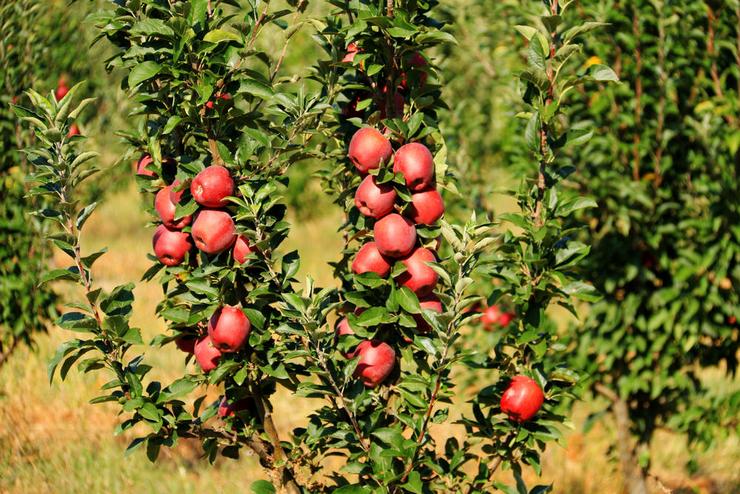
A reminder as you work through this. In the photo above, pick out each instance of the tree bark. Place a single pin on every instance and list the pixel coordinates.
(632, 474)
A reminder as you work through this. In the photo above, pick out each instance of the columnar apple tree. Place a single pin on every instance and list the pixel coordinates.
(31, 43)
(218, 129)
(407, 275)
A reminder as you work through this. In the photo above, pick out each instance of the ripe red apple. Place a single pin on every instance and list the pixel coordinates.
(416, 163)
(494, 317)
(376, 363)
(170, 246)
(229, 328)
(221, 96)
(419, 277)
(242, 249)
(74, 130)
(62, 89)
(185, 344)
(373, 199)
(522, 399)
(395, 236)
(343, 328)
(368, 148)
(206, 354)
(230, 409)
(211, 186)
(430, 302)
(142, 166)
(166, 209)
(352, 50)
(426, 207)
(369, 260)
(213, 231)
(731, 320)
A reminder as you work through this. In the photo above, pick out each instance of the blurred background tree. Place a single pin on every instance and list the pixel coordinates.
(40, 47)
(663, 167)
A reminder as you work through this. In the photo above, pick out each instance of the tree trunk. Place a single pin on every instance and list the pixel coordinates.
(632, 474)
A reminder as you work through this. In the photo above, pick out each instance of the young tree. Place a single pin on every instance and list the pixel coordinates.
(383, 82)
(663, 168)
(31, 43)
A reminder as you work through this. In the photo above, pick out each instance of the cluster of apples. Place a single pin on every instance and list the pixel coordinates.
(213, 231)
(394, 234)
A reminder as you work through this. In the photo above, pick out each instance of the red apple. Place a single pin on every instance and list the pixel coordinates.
(170, 246)
(142, 167)
(211, 186)
(343, 328)
(416, 163)
(493, 317)
(731, 320)
(395, 236)
(430, 302)
(419, 277)
(185, 344)
(373, 199)
(376, 363)
(74, 130)
(222, 96)
(213, 231)
(242, 249)
(426, 207)
(206, 354)
(522, 399)
(229, 328)
(369, 260)
(230, 409)
(166, 209)
(368, 148)
(352, 50)
(62, 90)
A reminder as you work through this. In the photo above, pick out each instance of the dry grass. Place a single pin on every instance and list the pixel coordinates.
(52, 440)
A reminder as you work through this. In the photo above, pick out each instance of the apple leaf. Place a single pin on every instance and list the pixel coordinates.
(143, 72)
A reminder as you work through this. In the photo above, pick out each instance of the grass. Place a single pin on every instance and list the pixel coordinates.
(52, 440)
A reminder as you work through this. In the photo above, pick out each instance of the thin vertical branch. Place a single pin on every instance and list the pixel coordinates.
(638, 98)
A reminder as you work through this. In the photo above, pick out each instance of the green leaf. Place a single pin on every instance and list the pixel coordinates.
(603, 73)
(262, 487)
(151, 27)
(221, 35)
(526, 31)
(142, 72)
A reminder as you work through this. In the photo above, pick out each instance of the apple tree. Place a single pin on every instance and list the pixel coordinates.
(33, 40)
(663, 168)
(408, 277)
